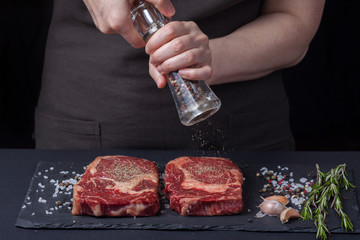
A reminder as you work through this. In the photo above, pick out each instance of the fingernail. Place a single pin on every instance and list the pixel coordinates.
(183, 73)
(158, 82)
(159, 69)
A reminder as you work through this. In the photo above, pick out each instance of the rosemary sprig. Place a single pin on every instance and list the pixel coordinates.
(326, 190)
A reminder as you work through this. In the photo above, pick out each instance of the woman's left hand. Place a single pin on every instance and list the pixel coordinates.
(179, 46)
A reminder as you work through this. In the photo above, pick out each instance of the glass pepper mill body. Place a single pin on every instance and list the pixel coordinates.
(194, 100)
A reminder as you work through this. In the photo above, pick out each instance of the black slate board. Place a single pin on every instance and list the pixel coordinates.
(33, 213)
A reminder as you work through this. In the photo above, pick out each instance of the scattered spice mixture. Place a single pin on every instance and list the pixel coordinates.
(281, 181)
(61, 188)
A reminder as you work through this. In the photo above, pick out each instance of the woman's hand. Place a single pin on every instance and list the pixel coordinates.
(179, 46)
(113, 17)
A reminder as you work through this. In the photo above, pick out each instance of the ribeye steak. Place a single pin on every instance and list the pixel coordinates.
(204, 186)
(117, 186)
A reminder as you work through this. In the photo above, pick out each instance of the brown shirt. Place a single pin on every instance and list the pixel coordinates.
(97, 92)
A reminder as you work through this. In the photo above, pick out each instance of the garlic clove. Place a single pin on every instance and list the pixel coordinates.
(281, 199)
(289, 213)
(272, 208)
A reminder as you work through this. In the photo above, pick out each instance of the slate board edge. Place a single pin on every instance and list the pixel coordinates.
(166, 227)
(18, 219)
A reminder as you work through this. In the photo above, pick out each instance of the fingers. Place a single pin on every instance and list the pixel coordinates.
(202, 73)
(193, 57)
(176, 46)
(164, 6)
(113, 17)
(181, 46)
(159, 78)
(167, 33)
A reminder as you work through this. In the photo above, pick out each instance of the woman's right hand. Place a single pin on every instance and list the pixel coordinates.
(113, 17)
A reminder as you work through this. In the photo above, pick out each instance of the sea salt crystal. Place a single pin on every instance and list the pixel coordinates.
(28, 203)
(46, 177)
(291, 174)
(41, 200)
(263, 170)
(41, 185)
(52, 181)
(51, 209)
(28, 198)
(303, 180)
(72, 181)
(23, 206)
(48, 212)
(73, 172)
(33, 214)
(39, 173)
(46, 170)
(51, 168)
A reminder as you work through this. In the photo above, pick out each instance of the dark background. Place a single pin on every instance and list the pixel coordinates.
(324, 89)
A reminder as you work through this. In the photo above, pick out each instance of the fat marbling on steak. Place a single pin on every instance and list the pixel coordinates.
(117, 186)
(204, 186)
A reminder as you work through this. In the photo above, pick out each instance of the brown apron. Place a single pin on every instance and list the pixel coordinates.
(97, 93)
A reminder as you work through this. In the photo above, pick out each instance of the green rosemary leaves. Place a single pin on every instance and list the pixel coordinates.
(326, 191)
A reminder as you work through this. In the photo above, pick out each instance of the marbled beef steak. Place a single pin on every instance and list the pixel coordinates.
(117, 186)
(204, 186)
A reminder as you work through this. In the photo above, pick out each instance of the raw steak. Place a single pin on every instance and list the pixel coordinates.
(117, 186)
(204, 186)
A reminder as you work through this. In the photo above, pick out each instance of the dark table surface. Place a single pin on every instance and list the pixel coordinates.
(18, 167)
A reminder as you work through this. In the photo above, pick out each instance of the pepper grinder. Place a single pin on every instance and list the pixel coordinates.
(194, 100)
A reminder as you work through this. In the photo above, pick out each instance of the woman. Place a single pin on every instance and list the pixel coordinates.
(96, 89)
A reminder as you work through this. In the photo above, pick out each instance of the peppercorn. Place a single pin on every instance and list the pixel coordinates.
(258, 174)
(58, 203)
(273, 177)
